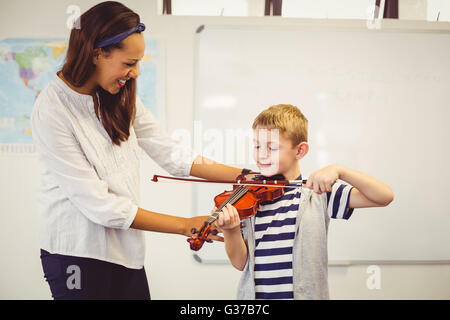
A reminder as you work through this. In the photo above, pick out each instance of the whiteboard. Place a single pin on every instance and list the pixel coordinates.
(377, 101)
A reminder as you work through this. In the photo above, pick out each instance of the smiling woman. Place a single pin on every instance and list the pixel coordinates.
(111, 26)
(122, 66)
(88, 124)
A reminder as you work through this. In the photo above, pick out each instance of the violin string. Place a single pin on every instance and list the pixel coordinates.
(241, 191)
(292, 184)
(237, 194)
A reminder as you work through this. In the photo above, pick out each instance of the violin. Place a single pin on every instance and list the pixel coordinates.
(249, 191)
(246, 200)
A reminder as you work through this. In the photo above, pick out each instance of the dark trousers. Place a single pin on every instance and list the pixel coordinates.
(77, 278)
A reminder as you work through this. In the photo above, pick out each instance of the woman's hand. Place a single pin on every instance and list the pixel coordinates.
(323, 179)
(194, 224)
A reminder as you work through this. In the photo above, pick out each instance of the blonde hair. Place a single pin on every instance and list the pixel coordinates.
(288, 119)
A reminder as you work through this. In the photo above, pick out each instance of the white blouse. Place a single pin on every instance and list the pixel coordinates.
(89, 190)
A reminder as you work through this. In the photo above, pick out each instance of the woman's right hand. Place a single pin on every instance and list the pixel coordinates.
(194, 224)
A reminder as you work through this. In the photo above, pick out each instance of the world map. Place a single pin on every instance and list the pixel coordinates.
(28, 65)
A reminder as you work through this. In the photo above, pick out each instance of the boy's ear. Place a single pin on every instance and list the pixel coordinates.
(302, 150)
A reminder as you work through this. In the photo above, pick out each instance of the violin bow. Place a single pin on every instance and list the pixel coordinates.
(196, 244)
(264, 183)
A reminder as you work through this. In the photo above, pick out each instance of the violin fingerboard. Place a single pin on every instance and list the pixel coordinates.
(213, 217)
(237, 194)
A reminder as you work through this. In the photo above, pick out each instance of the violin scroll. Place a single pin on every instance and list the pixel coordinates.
(196, 243)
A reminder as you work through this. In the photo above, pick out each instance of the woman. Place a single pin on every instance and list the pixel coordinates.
(87, 126)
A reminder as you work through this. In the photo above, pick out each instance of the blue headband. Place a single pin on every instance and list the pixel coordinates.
(117, 38)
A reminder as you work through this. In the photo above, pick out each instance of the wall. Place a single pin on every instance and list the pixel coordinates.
(173, 274)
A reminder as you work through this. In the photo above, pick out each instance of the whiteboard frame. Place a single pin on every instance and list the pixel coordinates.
(385, 26)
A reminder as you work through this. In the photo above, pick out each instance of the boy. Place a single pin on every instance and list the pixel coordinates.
(282, 250)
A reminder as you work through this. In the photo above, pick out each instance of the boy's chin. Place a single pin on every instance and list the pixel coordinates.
(269, 171)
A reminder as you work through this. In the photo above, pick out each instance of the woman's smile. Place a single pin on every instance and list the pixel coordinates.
(121, 83)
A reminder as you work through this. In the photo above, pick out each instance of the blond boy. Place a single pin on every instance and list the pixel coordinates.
(282, 250)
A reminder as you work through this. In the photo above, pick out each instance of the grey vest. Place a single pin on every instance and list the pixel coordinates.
(310, 254)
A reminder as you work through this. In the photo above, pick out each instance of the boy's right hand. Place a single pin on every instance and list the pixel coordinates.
(229, 218)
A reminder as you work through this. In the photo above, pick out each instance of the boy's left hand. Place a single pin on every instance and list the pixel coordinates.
(323, 179)
(228, 218)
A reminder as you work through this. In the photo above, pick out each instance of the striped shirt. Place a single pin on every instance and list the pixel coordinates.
(275, 224)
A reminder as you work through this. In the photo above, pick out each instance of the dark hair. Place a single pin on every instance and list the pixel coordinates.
(104, 20)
